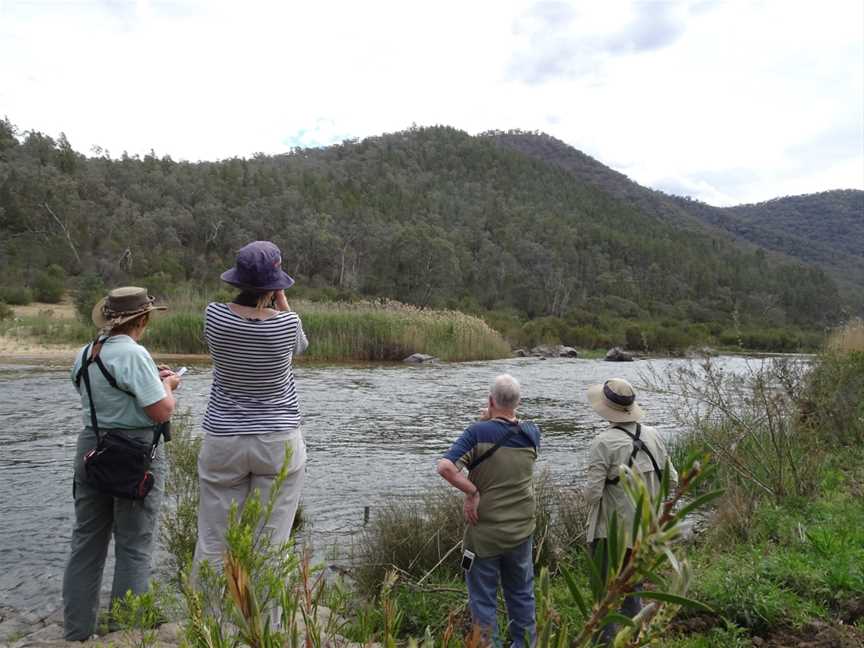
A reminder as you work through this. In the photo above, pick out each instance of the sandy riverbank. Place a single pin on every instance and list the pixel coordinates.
(21, 350)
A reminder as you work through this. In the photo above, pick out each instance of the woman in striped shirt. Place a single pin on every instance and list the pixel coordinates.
(253, 412)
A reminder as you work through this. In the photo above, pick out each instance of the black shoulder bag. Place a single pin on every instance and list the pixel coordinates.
(119, 465)
(638, 444)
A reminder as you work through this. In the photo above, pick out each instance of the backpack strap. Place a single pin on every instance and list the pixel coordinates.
(638, 444)
(515, 429)
(89, 356)
(84, 371)
(88, 359)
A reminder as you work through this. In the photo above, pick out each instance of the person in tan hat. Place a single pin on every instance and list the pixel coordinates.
(625, 442)
(129, 396)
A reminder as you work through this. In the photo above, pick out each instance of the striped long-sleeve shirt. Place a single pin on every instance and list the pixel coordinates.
(253, 379)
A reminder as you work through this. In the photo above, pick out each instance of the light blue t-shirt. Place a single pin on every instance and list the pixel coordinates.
(134, 371)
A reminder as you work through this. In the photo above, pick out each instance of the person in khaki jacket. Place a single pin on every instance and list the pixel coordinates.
(625, 442)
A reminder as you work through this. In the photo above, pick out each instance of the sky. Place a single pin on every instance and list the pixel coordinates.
(725, 101)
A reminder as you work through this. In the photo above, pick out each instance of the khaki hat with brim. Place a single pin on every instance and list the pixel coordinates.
(615, 401)
(122, 305)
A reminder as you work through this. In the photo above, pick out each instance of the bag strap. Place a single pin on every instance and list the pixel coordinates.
(84, 371)
(97, 345)
(517, 428)
(638, 444)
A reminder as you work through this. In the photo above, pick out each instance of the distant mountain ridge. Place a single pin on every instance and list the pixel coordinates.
(825, 229)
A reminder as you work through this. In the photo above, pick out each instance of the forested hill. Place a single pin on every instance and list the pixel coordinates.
(430, 216)
(825, 229)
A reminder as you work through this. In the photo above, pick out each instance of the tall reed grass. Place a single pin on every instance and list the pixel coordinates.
(393, 331)
(847, 338)
(365, 331)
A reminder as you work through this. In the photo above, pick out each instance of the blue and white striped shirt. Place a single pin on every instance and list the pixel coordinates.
(253, 378)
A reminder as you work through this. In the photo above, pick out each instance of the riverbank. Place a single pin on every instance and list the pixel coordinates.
(403, 448)
(780, 559)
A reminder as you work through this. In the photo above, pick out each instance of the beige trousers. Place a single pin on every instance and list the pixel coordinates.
(230, 468)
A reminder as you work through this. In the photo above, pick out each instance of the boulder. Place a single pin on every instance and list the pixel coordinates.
(568, 352)
(617, 354)
(554, 351)
(520, 353)
(419, 358)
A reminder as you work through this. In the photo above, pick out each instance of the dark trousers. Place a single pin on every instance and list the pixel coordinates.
(98, 517)
(631, 605)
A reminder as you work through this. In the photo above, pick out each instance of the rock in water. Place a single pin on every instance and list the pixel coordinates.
(420, 358)
(617, 354)
(554, 351)
(520, 353)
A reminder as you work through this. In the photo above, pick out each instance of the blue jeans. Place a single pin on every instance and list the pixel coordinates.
(516, 570)
(97, 517)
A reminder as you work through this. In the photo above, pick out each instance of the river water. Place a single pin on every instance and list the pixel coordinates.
(372, 433)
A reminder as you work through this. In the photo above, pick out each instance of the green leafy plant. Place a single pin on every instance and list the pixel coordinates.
(179, 517)
(614, 573)
(138, 616)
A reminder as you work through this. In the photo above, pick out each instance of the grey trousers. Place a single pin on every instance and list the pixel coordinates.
(230, 468)
(97, 518)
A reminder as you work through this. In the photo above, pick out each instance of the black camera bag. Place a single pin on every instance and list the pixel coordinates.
(119, 465)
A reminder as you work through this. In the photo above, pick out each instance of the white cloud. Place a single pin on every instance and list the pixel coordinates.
(734, 101)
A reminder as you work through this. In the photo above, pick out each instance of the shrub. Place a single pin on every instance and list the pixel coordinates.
(833, 406)
(415, 537)
(544, 330)
(179, 519)
(90, 290)
(50, 285)
(411, 536)
(16, 295)
(635, 338)
(6, 311)
(748, 422)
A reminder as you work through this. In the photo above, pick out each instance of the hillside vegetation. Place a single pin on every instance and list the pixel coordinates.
(824, 229)
(429, 216)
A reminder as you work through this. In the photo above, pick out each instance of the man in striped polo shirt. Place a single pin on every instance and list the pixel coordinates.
(499, 452)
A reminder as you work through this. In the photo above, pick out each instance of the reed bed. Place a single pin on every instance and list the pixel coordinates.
(364, 332)
(848, 338)
(388, 331)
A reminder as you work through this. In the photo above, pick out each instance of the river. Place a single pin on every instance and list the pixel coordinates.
(372, 433)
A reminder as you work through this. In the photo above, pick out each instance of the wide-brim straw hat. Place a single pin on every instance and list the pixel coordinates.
(258, 268)
(615, 401)
(121, 305)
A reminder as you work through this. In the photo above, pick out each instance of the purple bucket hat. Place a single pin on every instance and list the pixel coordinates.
(258, 267)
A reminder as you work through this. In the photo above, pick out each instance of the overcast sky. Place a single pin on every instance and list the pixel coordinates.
(725, 101)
